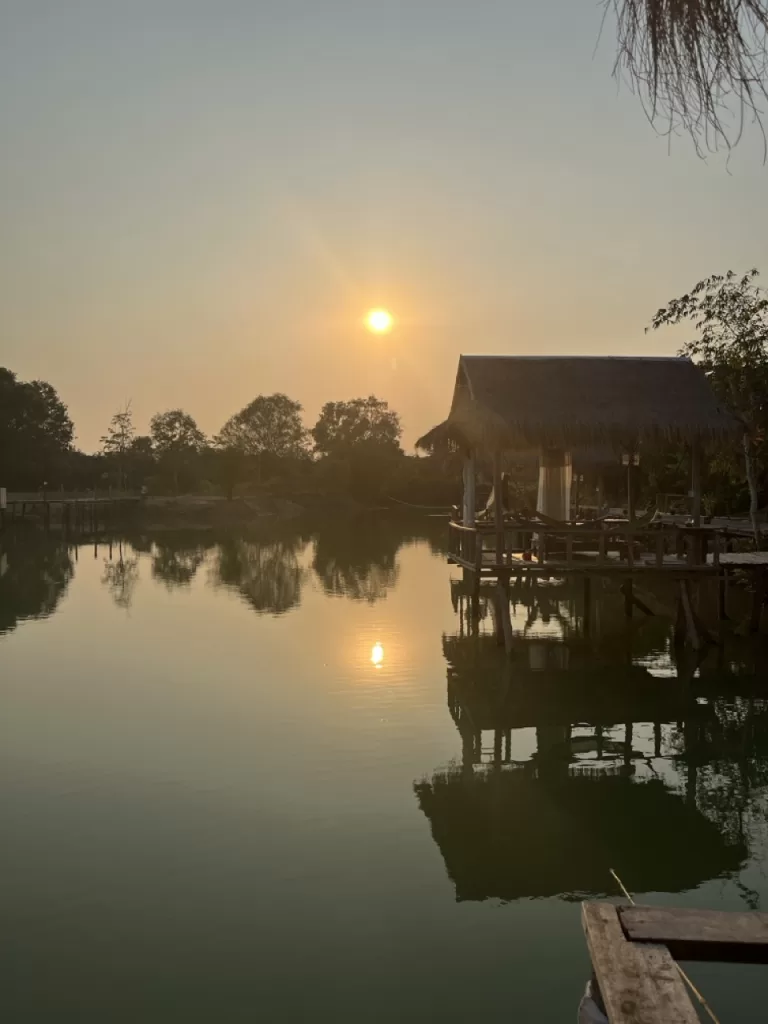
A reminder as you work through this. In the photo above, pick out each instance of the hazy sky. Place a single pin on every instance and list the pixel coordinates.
(200, 200)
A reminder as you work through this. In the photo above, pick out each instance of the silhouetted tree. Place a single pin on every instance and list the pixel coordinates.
(140, 460)
(118, 439)
(35, 432)
(176, 439)
(361, 438)
(361, 422)
(269, 427)
(730, 315)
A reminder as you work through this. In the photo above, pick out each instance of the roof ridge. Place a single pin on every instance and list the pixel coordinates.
(647, 359)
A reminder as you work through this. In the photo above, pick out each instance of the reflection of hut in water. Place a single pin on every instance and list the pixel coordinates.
(585, 799)
(518, 834)
(553, 684)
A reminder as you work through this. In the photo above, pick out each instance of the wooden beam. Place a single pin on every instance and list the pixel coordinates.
(505, 619)
(468, 499)
(693, 934)
(498, 508)
(694, 636)
(631, 489)
(696, 482)
(640, 984)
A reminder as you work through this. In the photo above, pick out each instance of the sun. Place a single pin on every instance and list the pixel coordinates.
(379, 321)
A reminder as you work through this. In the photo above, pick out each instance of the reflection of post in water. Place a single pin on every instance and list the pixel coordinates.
(590, 795)
(586, 609)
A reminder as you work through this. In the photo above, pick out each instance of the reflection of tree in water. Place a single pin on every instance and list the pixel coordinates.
(358, 560)
(266, 573)
(34, 575)
(176, 564)
(120, 577)
(725, 758)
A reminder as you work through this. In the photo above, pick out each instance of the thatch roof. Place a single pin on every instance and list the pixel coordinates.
(518, 402)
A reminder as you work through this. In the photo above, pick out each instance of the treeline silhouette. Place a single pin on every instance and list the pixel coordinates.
(353, 448)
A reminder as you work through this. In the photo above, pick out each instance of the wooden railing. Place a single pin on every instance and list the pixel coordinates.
(546, 543)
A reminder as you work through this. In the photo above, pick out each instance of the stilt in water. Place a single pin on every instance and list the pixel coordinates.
(587, 605)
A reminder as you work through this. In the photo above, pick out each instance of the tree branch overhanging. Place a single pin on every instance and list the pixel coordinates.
(700, 66)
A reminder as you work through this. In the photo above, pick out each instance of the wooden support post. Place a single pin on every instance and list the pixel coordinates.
(657, 739)
(502, 604)
(497, 738)
(587, 604)
(468, 499)
(758, 600)
(498, 508)
(626, 590)
(660, 550)
(722, 596)
(601, 547)
(631, 488)
(696, 482)
(627, 743)
(691, 627)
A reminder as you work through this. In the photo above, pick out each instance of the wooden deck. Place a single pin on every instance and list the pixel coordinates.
(614, 548)
(634, 952)
(520, 549)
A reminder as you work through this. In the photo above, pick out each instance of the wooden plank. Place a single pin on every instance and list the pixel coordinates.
(692, 934)
(639, 983)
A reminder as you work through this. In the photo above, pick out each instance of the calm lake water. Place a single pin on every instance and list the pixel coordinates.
(293, 778)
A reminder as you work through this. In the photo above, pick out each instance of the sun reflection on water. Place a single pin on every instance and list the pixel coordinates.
(377, 654)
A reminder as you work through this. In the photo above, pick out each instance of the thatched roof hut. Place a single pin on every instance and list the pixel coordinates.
(566, 402)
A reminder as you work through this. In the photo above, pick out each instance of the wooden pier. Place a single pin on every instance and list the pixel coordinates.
(511, 547)
(634, 952)
(89, 514)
